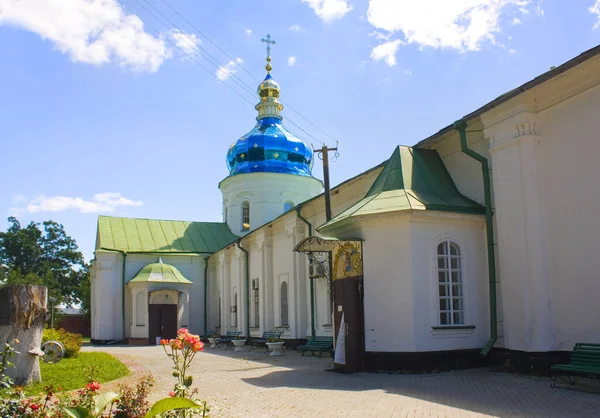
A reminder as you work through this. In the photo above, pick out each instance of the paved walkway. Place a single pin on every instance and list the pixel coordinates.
(256, 385)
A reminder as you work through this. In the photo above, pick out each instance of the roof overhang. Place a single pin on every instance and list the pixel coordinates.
(321, 244)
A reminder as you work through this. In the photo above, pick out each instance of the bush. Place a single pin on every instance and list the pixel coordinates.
(72, 342)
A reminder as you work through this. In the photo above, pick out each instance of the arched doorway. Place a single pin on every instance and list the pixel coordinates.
(162, 315)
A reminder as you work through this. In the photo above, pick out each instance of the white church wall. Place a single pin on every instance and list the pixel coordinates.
(464, 170)
(266, 194)
(107, 322)
(570, 170)
(427, 230)
(388, 304)
(544, 149)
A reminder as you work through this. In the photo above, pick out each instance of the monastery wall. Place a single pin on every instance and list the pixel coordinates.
(544, 146)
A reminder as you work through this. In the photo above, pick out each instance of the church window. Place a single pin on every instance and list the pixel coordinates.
(287, 206)
(245, 215)
(284, 305)
(256, 303)
(234, 311)
(450, 284)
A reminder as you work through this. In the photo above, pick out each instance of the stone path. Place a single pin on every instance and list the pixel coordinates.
(256, 385)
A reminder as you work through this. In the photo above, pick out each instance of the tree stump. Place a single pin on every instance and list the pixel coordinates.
(23, 314)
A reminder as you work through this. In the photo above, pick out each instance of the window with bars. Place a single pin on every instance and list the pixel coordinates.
(450, 284)
(284, 305)
(234, 319)
(245, 215)
(256, 303)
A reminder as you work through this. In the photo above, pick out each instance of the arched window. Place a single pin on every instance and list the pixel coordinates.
(245, 215)
(450, 284)
(284, 305)
(287, 206)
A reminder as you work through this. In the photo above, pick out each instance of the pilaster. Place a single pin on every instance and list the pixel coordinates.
(516, 147)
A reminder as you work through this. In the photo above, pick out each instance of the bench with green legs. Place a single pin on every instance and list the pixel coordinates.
(585, 361)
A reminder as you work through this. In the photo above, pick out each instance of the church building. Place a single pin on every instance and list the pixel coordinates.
(478, 242)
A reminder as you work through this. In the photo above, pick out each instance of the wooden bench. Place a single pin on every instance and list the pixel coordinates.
(317, 345)
(585, 360)
(265, 337)
(227, 338)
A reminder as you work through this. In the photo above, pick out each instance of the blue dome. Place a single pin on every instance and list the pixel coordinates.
(270, 148)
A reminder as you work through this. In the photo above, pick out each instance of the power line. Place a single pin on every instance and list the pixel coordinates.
(244, 69)
(186, 54)
(218, 65)
(194, 45)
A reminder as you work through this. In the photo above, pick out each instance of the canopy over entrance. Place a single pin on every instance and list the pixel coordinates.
(323, 244)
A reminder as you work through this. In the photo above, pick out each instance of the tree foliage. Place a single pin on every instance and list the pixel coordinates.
(44, 254)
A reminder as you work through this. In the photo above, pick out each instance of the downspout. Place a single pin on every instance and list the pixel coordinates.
(123, 294)
(205, 293)
(313, 330)
(461, 126)
(247, 288)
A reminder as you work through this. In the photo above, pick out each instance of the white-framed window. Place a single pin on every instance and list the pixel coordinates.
(284, 305)
(256, 297)
(450, 284)
(287, 206)
(245, 215)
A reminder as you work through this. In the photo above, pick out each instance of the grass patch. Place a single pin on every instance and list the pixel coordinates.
(73, 373)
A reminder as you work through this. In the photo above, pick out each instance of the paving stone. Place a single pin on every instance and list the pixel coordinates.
(252, 384)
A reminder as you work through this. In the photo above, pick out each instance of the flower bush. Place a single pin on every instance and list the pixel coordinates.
(128, 403)
(71, 342)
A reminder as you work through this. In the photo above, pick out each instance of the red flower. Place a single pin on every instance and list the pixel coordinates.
(34, 406)
(93, 386)
(172, 394)
(164, 342)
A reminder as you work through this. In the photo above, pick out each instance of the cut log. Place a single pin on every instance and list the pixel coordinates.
(23, 313)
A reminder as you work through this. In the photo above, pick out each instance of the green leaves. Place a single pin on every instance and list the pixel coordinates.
(44, 256)
(170, 404)
(101, 402)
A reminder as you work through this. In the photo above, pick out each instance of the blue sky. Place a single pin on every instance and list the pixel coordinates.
(103, 115)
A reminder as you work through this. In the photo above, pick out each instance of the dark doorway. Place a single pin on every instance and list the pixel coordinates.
(163, 322)
(347, 300)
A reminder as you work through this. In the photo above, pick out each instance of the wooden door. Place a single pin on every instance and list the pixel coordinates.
(162, 321)
(348, 303)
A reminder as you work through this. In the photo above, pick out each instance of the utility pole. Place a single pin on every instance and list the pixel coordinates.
(324, 151)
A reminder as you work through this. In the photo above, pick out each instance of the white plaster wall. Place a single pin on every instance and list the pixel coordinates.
(546, 194)
(107, 323)
(464, 170)
(266, 193)
(107, 292)
(426, 232)
(570, 171)
(388, 294)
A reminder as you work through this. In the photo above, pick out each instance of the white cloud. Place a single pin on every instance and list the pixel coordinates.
(89, 31)
(330, 10)
(226, 71)
(296, 28)
(387, 52)
(187, 42)
(291, 60)
(248, 32)
(516, 21)
(458, 24)
(595, 9)
(101, 202)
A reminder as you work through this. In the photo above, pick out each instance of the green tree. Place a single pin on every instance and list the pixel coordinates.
(44, 254)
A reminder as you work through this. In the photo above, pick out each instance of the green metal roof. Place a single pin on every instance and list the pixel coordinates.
(412, 179)
(159, 272)
(153, 235)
